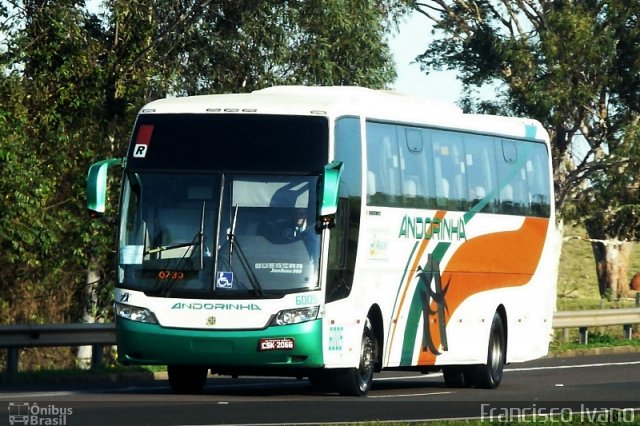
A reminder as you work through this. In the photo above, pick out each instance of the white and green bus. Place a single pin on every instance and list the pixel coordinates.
(331, 233)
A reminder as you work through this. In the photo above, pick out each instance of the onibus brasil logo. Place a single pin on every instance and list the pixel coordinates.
(26, 413)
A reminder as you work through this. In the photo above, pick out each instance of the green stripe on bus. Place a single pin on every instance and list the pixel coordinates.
(415, 310)
(400, 287)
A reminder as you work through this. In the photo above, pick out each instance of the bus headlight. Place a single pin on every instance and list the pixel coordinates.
(134, 313)
(296, 316)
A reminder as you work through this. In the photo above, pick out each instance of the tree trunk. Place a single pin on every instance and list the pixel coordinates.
(89, 308)
(612, 266)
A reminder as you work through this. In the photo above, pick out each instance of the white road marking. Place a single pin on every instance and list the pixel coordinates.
(17, 395)
(420, 376)
(409, 395)
(564, 367)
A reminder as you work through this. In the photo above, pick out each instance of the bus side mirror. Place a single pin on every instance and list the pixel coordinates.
(329, 188)
(97, 185)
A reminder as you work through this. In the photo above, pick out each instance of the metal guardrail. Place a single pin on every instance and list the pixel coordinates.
(33, 335)
(582, 320)
(596, 318)
(14, 337)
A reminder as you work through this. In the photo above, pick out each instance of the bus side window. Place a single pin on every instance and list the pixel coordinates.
(512, 155)
(371, 184)
(450, 171)
(505, 160)
(527, 189)
(338, 250)
(343, 240)
(480, 171)
(537, 178)
(383, 163)
(415, 172)
(442, 184)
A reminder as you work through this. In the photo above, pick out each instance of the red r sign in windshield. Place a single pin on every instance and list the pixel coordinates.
(142, 140)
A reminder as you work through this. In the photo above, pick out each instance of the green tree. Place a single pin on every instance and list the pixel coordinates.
(72, 81)
(229, 46)
(49, 102)
(574, 65)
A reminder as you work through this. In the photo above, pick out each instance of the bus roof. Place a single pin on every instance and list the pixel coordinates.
(335, 101)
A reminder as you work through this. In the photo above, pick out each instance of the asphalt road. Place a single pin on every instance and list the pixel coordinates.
(588, 389)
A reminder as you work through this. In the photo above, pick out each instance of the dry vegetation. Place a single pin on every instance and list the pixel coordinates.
(577, 282)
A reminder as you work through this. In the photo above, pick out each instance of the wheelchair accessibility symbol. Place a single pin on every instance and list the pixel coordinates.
(224, 280)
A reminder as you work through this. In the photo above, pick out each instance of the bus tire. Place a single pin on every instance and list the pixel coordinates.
(456, 376)
(357, 381)
(187, 379)
(489, 375)
(322, 379)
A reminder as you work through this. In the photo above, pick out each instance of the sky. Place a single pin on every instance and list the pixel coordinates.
(412, 40)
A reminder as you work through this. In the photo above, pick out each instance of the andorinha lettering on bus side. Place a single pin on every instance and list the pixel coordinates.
(446, 229)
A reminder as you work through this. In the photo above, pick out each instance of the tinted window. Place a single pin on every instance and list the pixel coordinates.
(428, 168)
(383, 158)
(241, 143)
(416, 181)
(481, 172)
(343, 242)
(450, 170)
(537, 170)
(512, 177)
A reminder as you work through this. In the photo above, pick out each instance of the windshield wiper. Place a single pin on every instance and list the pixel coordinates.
(198, 239)
(160, 249)
(201, 236)
(234, 243)
(232, 232)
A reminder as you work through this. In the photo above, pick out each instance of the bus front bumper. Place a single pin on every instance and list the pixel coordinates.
(142, 343)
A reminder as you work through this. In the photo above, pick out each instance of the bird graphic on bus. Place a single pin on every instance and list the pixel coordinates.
(436, 294)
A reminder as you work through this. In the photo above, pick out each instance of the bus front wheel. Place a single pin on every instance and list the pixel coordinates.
(357, 381)
(187, 379)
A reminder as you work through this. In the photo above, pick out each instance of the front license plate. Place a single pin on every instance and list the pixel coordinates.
(283, 343)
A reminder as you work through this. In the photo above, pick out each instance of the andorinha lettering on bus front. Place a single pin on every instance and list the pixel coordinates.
(198, 306)
(445, 229)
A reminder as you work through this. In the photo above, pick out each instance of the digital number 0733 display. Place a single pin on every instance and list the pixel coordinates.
(171, 275)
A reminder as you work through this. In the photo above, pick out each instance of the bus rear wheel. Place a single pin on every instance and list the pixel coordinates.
(187, 379)
(489, 375)
(456, 376)
(357, 381)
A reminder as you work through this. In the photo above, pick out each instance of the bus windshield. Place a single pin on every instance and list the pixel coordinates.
(218, 235)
